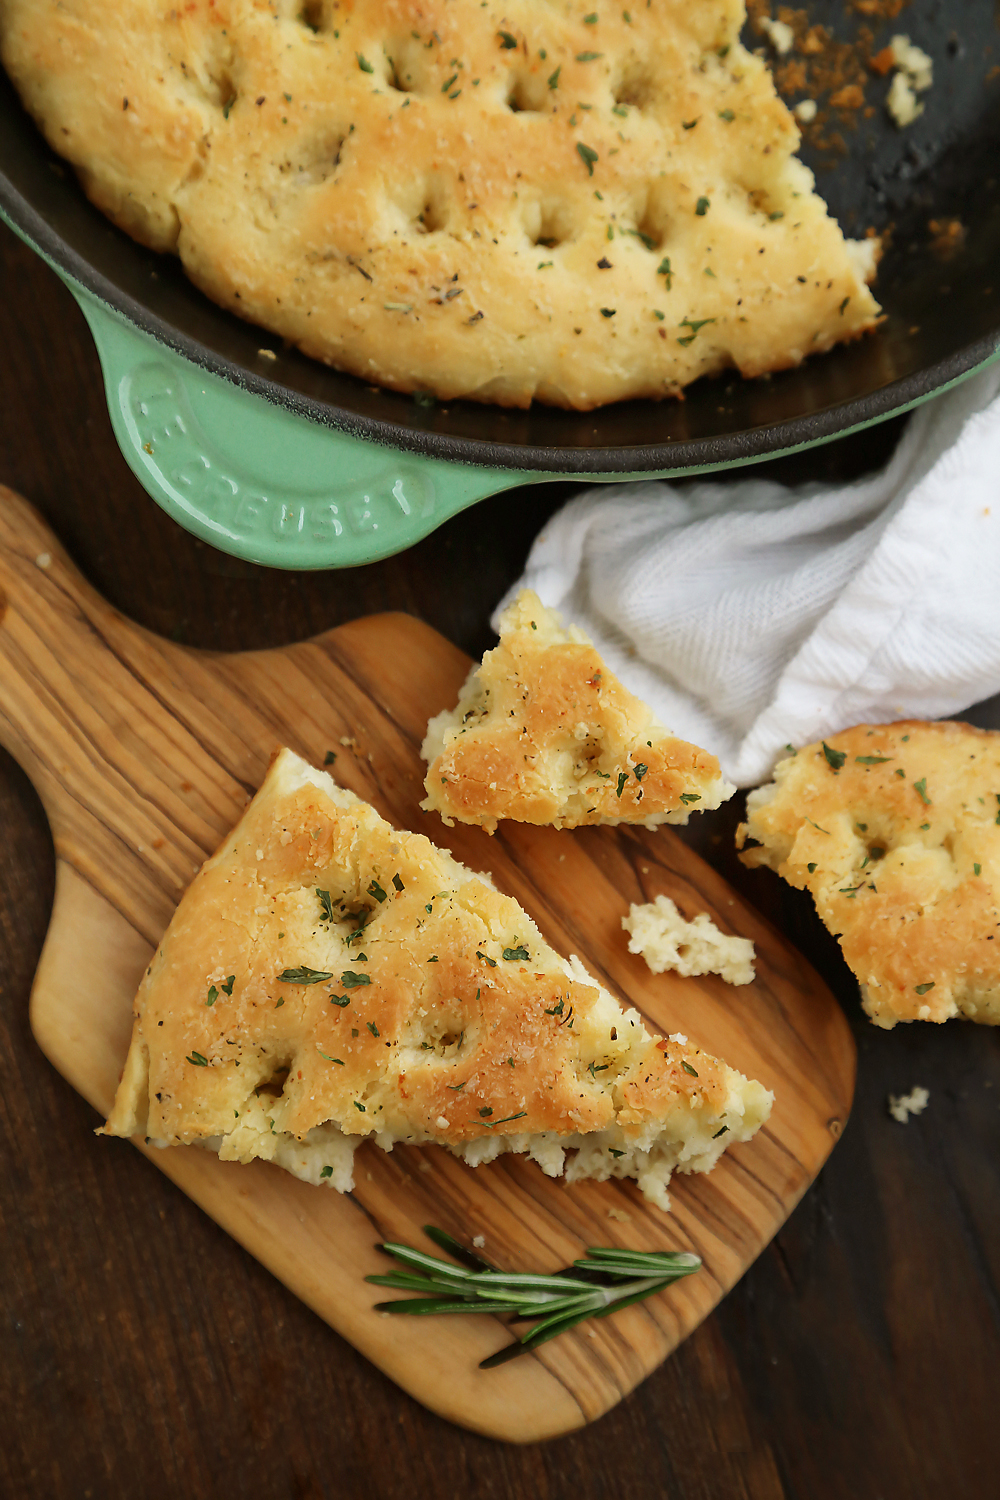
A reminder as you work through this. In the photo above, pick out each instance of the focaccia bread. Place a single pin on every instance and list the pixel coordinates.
(458, 197)
(895, 830)
(544, 733)
(327, 979)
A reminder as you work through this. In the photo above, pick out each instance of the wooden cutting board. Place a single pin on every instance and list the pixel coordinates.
(144, 754)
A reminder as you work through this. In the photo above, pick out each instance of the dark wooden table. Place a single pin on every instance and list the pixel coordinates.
(145, 1354)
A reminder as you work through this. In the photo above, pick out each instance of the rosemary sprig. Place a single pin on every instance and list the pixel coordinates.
(604, 1281)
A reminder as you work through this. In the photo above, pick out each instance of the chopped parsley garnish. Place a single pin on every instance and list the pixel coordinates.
(720, 1132)
(198, 1060)
(727, 115)
(613, 1152)
(213, 995)
(695, 325)
(329, 757)
(517, 953)
(811, 868)
(373, 1028)
(622, 778)
(663, 269)
(376, 890)
(834, 758)
(596, 1068)
(872, 760)
(507, 42)
(588, 56)
(554, 78)
(690, 796)
(326, 904)
(227, 988)
(327, 1058)
(922, 989)
(485, 1112)
(688, 1068)
(977, 869)
(702, 206)
(279, 1003)
(364, 64)
(640, 771)
(900, 772)
(920, 787)
(341, 1000)
(350, 979)
(507, 1118)
(303, 976)
(608, 312)
(326, 1172)
(359, 1106)
(398, 883)
(588, 155)
(557, 1009)
(491, 961)
(817, 827)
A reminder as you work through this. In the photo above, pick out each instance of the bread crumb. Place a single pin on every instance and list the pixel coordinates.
(43, 560)
(667, 941)
(805, 111)
(479, 1240)
(779, 34)
(915, 75)
(620, 1215)
(902, 1106)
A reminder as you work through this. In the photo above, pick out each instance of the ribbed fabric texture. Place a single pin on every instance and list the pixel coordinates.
(751, 616)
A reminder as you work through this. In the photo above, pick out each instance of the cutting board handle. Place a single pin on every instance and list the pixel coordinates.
(119, 763)
(44, 603)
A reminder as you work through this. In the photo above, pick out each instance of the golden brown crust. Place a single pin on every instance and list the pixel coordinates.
(447, 1018)
(899, 844)
(502, 202)
(545, 733)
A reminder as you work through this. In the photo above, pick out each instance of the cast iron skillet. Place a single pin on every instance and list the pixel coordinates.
(943, 315)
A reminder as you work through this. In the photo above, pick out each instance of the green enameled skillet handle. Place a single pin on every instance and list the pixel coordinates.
(259, 481)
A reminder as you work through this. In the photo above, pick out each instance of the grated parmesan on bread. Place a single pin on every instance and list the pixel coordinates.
(327, 980)
(895, 831)
(506, 202)
(543, 732)
(666, 941)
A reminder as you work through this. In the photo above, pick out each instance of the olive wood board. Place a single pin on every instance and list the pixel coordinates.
(145, 753)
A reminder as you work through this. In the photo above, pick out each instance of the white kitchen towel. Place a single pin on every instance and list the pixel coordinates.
(751, 616)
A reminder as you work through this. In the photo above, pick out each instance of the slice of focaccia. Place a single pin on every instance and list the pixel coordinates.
(895, 830)
(327, 978)
(544, 733)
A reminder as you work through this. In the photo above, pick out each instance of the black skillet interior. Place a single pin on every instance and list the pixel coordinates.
(943, 311)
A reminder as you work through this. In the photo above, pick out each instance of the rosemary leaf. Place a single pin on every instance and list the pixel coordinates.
(605, 1280)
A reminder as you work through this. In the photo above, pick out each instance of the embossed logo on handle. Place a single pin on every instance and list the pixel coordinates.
(184, 462)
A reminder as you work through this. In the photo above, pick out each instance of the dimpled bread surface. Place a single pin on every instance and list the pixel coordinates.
(544, 733)
(504, 202)
(328, 979)
(895, 830)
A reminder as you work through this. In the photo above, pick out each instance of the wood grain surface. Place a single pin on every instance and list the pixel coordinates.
(145, 1353)
(144, 753)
